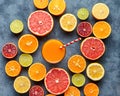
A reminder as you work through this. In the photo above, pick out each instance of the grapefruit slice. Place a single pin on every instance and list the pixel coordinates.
(91, 89)
(40, 23)
(72, 91)
(92, 48)
(95, 71)
(22, 84)
(84, 29)
(36, 90)
(57, 81)
(50, 95)
(9, 50)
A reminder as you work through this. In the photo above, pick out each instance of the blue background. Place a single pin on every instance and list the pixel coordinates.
(20, 9)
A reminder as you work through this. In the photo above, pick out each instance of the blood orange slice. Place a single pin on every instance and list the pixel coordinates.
(84, 29)
(57, 81)
(92, 48)
(36, 90)
(9, 50)
(40, 23)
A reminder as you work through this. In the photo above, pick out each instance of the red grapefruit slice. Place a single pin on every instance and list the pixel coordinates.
(9, 50)
(40, 23)
(36, 90)
(84, 29)
(92, 48)
(57, 81)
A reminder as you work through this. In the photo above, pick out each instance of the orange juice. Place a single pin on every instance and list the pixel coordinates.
(52, 52)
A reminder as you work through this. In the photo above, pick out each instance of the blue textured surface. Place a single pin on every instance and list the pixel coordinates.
(20, 9)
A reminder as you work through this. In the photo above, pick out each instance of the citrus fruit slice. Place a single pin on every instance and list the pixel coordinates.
(83, 13)
(36, 90)
(102, 29)
(57, 81)
(51, 48)
(28, 43)
(37, 72)
(57, 7)
(22, 84)
(72, 91)
(91, 89)
(84, 29)
(76, 63)
(40, 4)
(50, 95)
(25, 60)
(92, 48)
(12, 68)
(40, 23)
(16, 26)
(78, 80)
(9, 50)
(95, 71)
(100, 11)
(68, 22)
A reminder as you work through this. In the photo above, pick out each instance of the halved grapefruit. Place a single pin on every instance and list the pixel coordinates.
(40, 23)
(57, 81)
(92, 48)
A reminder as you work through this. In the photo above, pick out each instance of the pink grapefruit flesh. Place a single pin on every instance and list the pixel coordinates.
(40, 23)
(9, 50)
(84, 29)
(36, 90)
(92, 48)
(57, 81)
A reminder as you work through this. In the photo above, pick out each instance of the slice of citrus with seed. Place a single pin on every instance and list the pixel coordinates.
(12, 68)
(72, 91)
(16, 26)
(95, 71)
(91, 89)
(37, 72)
(22, 84)
(83, 13)
(68, 22)
(76, 63)
(57, 81)
(78, 80)
(36, 90)
(102, 29)
(28, 43)
(57, 7)
(40, 4)
(25, 60)
(50, 95)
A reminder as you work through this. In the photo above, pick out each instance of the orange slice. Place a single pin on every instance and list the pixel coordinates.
(72, 91)
(100, 11)
(91, 89)
(57, 7)
(95, 71)
(68, 22)
(37, 72)
(102, 29)
(76, 64)
(12, 68)
(28, 43)
(22, 84)
(40, 4)
(50, 95)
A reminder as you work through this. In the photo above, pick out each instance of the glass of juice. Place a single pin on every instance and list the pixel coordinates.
(52, 52)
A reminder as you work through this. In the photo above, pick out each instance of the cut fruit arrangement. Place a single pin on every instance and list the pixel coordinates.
(57, 80)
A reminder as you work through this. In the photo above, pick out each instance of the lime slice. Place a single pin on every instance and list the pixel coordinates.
(78, 80)
(25, 60)
(83, 13)
(16, 26)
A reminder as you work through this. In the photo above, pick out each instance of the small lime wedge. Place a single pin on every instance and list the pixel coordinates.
(78, 80)
(25, 60)
(16, 26)
(83, 13)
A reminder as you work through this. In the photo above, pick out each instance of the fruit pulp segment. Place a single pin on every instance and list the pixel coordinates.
(52, 52)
